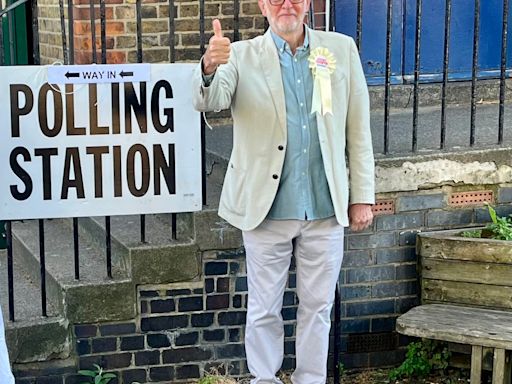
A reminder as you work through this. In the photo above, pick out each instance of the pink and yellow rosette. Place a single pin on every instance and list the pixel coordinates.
(322, 64)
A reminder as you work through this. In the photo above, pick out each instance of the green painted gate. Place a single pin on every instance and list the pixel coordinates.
(16, 41)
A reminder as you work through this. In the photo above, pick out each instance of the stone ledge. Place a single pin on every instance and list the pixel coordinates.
(37, 340)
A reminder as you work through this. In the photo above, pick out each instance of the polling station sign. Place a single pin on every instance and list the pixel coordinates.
(125, 143)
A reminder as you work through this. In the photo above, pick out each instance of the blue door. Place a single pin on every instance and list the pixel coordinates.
(373, 38)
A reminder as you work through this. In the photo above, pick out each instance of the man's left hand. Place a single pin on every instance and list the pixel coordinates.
(360, 216)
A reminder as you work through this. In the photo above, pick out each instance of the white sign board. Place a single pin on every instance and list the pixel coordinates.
(98, 149)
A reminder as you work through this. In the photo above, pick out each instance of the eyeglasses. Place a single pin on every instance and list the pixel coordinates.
(280, 2)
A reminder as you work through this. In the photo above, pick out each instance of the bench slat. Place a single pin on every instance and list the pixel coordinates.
(467, 271)
(470, 294)
(500, 369)
(465, 325)
(476, 364)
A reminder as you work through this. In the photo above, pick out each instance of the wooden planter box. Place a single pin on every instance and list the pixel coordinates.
(465, 271)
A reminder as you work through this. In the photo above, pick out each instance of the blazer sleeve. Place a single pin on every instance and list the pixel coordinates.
(359, 141)
(219, 94)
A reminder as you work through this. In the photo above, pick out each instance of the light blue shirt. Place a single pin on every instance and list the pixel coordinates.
(303, 192)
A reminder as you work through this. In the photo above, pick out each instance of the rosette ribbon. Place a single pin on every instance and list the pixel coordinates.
(322, 64)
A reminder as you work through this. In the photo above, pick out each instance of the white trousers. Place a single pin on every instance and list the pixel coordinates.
(318, 254)
(6, 376)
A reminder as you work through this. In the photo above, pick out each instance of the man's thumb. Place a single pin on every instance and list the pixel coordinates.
(217, 29)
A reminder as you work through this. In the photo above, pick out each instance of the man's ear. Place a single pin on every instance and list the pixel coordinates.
(261, 4)
(306, 5)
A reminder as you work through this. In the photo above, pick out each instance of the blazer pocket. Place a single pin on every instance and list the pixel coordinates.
(234, 190)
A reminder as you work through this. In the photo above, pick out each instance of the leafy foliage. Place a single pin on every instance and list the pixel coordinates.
(472, 234)
(499, 229)
(209, 380)
(215, 376)
(97, 376)
(341, 369)
(422, 358)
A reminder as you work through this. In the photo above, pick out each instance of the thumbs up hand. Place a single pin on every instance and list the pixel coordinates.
(218, 50)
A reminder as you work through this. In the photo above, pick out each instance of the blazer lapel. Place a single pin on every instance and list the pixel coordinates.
(313, 39)
(271, 68)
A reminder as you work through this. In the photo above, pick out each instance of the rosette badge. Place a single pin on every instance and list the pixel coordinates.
(322, 64)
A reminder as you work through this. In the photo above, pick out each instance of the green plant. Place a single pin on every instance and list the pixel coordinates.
(97, 376)
(472, 234)
(422, 358)
(209, 380)
(499, 229)
(216, 379)
(341, 369)
(216, 376)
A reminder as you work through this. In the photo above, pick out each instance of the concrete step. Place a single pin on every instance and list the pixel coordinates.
(458, 125)
(38, 339)
(27, 292)
(95, 297)
(59, 254)
(219, 140)
(78, 300)
(214, 233)
(160, 259)
(49, 371)
(31, 337)
(126, 230)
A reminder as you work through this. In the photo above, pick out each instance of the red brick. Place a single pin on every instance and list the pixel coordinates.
(113, 57)
(85, 42)
(85, 13)
(81, 2)
(113, 27)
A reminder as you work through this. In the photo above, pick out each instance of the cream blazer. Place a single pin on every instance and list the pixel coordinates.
(251, 85)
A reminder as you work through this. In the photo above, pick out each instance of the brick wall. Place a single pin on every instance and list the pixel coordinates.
(50, 37)
(121, 29)
(184, 329)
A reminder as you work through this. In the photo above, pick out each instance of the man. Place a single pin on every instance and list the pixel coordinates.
(300, 105)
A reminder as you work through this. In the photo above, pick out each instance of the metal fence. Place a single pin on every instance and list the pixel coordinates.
(6, 16)
(446, 56)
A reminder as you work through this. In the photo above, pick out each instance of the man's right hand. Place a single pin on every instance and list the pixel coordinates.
(218, 50)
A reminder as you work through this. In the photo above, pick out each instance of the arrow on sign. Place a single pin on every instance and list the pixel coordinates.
(123, 73)
(72, 74)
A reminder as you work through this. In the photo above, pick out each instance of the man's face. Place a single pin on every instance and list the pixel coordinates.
(284, 19)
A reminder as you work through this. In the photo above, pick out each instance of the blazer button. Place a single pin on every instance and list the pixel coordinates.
(280, 147)
(275, 177)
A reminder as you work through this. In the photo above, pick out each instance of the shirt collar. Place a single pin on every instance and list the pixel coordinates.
(283, 46)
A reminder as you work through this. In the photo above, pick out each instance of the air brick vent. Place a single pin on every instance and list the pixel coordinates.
(383, 207)
(371, 342)
(460, 199)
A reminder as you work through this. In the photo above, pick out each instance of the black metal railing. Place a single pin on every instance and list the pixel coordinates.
(68, 47)
(473, 102)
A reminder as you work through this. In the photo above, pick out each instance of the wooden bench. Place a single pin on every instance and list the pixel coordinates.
(465, 325)
(466, 287)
